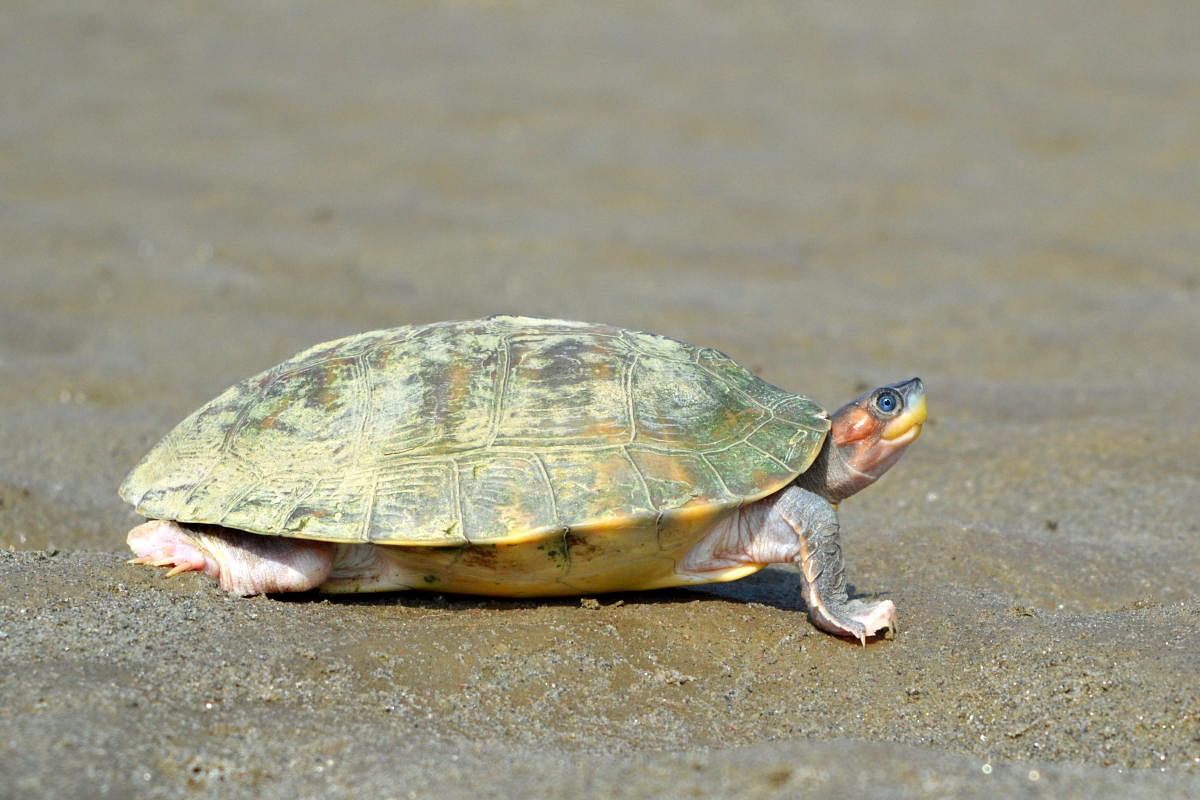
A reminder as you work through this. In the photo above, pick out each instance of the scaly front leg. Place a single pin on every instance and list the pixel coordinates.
(798, 527)
(814, 522)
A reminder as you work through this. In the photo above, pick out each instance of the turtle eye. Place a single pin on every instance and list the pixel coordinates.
(887, 401)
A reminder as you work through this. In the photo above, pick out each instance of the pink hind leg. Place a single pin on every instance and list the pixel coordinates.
(242, 563)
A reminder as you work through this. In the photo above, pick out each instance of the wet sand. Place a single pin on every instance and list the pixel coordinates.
(1000, 200)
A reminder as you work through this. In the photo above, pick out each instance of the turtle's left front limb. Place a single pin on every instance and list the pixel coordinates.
(798, 527)
(813, 521)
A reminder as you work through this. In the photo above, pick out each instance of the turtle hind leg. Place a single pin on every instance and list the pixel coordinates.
(361, 568)
(242, 563)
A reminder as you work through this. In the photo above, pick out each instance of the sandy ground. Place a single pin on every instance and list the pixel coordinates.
(1001, 198)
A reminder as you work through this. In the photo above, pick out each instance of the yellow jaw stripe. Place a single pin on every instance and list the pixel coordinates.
(910, 420)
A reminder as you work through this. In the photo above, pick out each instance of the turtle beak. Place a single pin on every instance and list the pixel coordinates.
(907, 426)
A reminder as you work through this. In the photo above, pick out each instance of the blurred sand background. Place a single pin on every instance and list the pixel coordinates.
(1001, 198)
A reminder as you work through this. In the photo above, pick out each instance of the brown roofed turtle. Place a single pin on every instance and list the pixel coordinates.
(517, 457)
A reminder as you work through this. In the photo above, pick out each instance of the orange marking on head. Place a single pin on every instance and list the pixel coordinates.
(852, 425)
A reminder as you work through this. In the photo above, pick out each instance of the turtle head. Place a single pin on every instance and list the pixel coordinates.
(869, 434)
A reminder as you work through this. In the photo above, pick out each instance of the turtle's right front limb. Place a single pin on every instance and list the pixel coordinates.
(814, 522)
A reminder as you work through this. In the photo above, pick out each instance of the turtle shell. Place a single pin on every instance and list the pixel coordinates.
(498, 430)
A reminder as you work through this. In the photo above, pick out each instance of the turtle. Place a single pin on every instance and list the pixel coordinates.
(517, 457)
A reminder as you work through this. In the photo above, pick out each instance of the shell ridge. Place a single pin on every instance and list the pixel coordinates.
(369, 502)
(789, 397)
(362, 391)
(627, 387)
(640, 476)
(743, 440)
(503, 364)
(307, 366)
(457, 500)
(720, 477)
(749, 443)
(541, 462)
(633, 339)
(363, 398)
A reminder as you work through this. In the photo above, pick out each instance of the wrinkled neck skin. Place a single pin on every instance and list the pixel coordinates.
(832, 476)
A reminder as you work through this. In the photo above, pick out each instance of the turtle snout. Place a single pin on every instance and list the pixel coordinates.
(913, 391)
(906, 426)
(910, 387)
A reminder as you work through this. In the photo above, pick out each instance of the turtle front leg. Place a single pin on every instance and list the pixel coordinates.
(813, 521)
(798, 527)
(242, 563)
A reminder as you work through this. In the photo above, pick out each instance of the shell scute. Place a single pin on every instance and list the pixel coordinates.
(681, 407)
(593, 486)
(564, 390)
(504, 492)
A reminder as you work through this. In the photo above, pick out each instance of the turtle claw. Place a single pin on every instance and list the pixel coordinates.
(859, 620)
(179, 569)
(164, 544)
(874, 618)
(179, 561)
